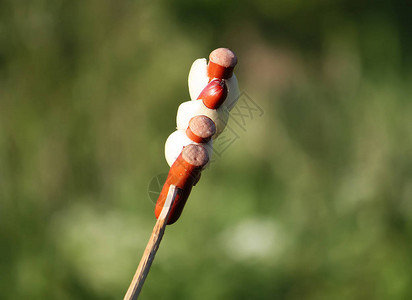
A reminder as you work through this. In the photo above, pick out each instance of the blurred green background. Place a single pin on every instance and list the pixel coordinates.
(312, 201)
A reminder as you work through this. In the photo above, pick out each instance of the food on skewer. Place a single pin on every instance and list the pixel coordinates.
(221, 64)
(184, 174)
(214, 91)
(210, 105)
(200, 130)
(214, 94)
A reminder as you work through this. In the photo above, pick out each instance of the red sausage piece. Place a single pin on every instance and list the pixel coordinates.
(184, 173)
(201, 129)
(214, 94)
(222, 61)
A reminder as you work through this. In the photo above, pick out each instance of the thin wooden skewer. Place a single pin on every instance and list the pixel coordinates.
(149, 253)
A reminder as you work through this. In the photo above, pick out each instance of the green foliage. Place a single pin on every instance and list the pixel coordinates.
(312, 201)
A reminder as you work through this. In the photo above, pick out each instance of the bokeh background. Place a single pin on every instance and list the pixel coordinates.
(313, 200)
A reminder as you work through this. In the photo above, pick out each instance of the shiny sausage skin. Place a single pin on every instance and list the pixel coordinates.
(184, 176)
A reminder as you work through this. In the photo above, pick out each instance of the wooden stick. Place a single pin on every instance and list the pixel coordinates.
(151, 248)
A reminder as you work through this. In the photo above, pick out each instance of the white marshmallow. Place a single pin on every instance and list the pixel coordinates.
(175, 143)
(198, 80)
(190, 109)
(233, 92)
